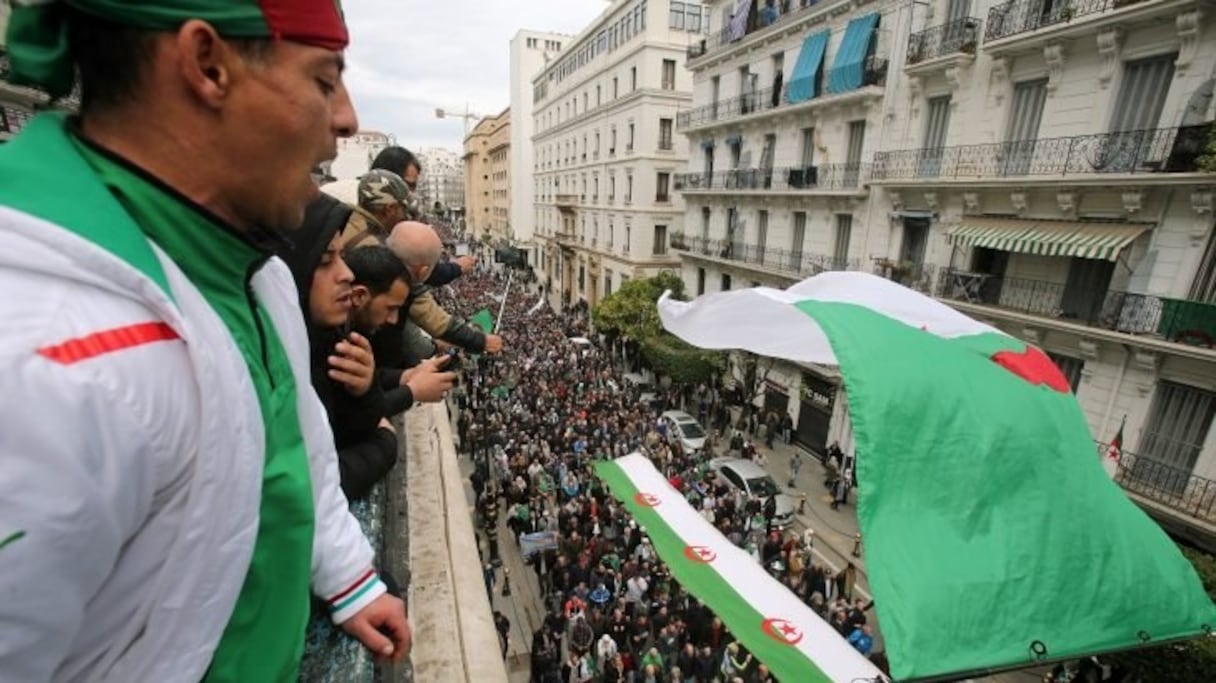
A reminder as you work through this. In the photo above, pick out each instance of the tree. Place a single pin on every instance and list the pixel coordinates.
(632, 311)
(672, 357)
(749, 371)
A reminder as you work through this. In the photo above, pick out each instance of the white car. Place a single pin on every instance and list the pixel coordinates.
(646, 393)
(754, 481)
(685, 427)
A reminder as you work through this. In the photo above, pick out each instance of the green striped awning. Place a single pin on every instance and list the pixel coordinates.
(1084, 239)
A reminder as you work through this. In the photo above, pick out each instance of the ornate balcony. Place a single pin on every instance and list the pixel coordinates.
(768, 99)
(1176, 320)
(954, 38)
(788, 263)
(719, 41)
(1175, 488)
(829, 177)
(1150, 151)
(1023, 16)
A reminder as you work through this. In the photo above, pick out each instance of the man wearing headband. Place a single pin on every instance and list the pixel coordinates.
(169, 491)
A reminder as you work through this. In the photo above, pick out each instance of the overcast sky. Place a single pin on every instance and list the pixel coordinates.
(407, 58)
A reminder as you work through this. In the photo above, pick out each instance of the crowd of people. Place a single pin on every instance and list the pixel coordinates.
(534, 420)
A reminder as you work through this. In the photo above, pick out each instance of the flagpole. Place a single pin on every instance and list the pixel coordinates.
(503, 305)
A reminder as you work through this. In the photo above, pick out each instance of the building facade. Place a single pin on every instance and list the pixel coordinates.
(487, 162)
(356, 153)
(1032, 164)
(530, 52)
(441, 180)
(606, 152)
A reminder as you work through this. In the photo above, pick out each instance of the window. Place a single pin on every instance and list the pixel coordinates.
(598, 100)
(700, 281)
(607, 283)
(615, 92)
(629, 144)
(633, 78)
(1024, 119)
(840, 249)
(669, 74)
(1146, 82)
(662, 187)
(612, 140)
(664, 134)
(692, 21)
(705, 216)
(808, 147)
(937, 123)
(1204, 287)
(628, 188)
(725, 286)
(676, 18)
(660, 240)
(762, 233)
(1178, 424)
(799, 241)
(1071, 367)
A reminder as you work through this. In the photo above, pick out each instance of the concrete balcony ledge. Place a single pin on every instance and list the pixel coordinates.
(454, 635)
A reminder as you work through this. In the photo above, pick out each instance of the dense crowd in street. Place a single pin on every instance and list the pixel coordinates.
(534, 420)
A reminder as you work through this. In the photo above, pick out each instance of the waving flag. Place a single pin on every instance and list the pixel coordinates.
(993, 537)
(484, 320)
(763, 614)
(1114, 452)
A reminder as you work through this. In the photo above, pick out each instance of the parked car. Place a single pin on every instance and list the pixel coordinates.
(638, 383)
(685, 427)
(754, 481)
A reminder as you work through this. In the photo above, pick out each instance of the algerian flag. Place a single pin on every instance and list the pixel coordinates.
(483, 319)
(993, 536)
(759, 611)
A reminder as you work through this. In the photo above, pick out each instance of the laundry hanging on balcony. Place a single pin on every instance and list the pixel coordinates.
(764, 615)
(993, 537)
(849, 69)
(804, 82)
(737, 27)
(1083, 239)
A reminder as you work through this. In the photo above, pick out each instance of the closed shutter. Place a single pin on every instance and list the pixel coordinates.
(1024, 120)
(795, 262)
(1178, 423)
(1146, 82)
(936, 126)
(844, 233)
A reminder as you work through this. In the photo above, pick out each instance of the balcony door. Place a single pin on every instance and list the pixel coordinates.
(937, 123)
(1177, 426)
(766, 160)
(1085, 290)
(1132, 144)
(1025, 117)
(798, 242)
(857, 142)
(916, 240)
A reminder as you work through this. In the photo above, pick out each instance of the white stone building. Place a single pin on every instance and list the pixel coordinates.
(441, 178)
(606, 152)
(530, 52)
(356, 153)
(1031, 163)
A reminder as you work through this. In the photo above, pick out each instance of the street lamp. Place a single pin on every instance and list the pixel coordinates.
(441, 113)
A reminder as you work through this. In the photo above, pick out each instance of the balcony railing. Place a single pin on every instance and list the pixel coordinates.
(1023, 16)
(795, 262)
(1160, 150)
(1175, 488)
(794, 178)
(959, 36)
(1176, 320)
(767, 99)
(721, 39)
(918, 276)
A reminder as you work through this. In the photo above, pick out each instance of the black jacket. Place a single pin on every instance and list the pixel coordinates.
(365, 451)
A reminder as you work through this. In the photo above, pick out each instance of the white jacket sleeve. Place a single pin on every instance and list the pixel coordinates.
(77, 480)
(342, 558)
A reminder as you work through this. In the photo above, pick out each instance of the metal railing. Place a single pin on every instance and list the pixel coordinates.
(722, 38)
(767, 99)
(826, 177)
(918, 276)
(1023, 16)
(1177, 320)
(953, 37)
(795, 262)
(1173, 487)
(1159, 150)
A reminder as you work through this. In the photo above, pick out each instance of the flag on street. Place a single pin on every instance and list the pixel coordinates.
(771, 622)
(979, 494)
(484, 320)
(1114, 451)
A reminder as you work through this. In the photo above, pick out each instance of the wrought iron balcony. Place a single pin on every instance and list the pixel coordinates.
(767, 99)
(1176, 320)
(794, 178)
(918, 276)
(796, 264)
(1160, 150)
(1023, 16)
(955, 37)
(722, 39)
(1175, 488)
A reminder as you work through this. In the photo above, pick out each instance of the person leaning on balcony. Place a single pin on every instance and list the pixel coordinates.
(194, 502)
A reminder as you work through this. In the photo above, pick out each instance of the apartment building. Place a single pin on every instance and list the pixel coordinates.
(530, 52)
(606, 152)
(442, 177)
(356, 153)
(1033, 164)
(487, 163)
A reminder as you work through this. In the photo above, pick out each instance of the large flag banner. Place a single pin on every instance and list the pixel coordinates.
(760, 612)
(993, 537)
(484, 320)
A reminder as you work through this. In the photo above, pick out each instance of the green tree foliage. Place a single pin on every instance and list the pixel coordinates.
(671, 356)
(632, 310)
(1207, 162)
(1189, 662)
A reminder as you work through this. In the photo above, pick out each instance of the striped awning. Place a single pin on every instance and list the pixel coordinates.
(1084, 239)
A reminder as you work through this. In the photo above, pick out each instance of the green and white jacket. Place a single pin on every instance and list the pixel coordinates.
(133, 443)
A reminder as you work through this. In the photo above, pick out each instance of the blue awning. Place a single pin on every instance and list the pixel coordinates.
(848, 71)
(804, 82)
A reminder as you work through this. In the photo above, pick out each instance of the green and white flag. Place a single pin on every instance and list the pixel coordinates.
(993, 536)
(759, 611)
